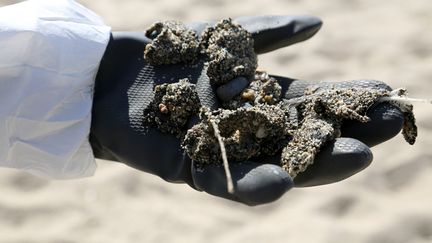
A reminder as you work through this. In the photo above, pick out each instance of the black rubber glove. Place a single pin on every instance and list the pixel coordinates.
(122, 92)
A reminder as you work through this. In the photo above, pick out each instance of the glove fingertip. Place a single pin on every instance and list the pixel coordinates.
(386, 121)
(274, 32)
(254, 184)
(263, 184)
(234, 87)
(337, 161)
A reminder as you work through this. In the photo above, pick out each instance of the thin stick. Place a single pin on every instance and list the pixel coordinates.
(404, 99)
(230, 184)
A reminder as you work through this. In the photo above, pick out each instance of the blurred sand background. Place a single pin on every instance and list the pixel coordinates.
(389, 202)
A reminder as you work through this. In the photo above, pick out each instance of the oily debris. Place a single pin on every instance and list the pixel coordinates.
(409, 129)
(262, 90)
(172, 107)
(346, 103)
(172, 43)
(228, 52)
(306, 143)
(300, 126)
(322, 112)
(230, 49)
(246, 133)
(256, 120)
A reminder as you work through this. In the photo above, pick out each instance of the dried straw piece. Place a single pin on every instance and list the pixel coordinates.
(230, 184)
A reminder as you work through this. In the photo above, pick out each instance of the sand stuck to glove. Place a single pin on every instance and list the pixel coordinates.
(256, 121)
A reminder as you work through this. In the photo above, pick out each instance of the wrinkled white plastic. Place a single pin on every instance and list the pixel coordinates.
(50, 51)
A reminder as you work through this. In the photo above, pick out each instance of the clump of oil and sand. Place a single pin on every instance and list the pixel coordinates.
(172, 106)
(257, 121)
(172, 43)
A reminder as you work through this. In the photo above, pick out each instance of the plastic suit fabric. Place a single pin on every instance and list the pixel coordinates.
(49, 56)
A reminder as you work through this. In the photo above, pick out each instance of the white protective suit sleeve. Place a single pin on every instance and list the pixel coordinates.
(50, 51)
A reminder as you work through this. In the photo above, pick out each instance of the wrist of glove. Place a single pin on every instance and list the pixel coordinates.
(124, 87)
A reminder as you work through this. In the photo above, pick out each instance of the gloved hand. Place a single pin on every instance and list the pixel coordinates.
(122, 92)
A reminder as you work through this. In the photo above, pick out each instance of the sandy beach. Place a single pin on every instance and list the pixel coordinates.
(389, 202)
